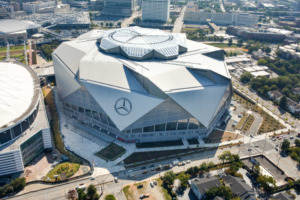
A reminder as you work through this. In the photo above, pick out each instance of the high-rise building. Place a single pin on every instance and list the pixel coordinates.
(119, 7)
(156, 10)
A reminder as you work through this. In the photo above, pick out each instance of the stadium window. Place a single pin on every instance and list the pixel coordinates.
(160, 127)
(149, 129)
(137, 130)
(74, 107)
(171, 126)
(80, 109)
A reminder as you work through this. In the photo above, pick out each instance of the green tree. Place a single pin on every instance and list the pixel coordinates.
(285, 145)
(81, 194)
(168, 179)
(119, 24)
(92, 193)
(192, 171)
(246, 77)
(262, 62)
(240, 42)
(210, 165)
(110, 197)
(283, 102)
(297, 143)
(47, 51)
(183, 178)
(225, 156)
(230, 42)
(221, 191)
(267, 183)
(101, 23)
(203, 167)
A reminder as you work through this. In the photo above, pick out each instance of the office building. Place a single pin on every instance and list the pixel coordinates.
(156, 10)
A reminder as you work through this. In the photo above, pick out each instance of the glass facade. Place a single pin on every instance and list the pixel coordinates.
(18, 129)
(32, 147)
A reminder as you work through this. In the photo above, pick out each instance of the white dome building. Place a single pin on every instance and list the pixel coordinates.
(141, 85)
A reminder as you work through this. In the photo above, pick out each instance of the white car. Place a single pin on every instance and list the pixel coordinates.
(155, 182)
(116, 179)
(188, 161)
(151, 183)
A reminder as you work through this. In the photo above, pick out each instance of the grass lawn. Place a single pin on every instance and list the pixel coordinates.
(66, 169)
(159, 144)
(248, 123)
(17, 47)
(111, 152)
(54, 125)
(163, 190)
(241, 123)
(127, 193)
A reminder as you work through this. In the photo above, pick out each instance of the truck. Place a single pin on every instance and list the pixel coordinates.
(81, 186)
(169, 166)
(175, 162)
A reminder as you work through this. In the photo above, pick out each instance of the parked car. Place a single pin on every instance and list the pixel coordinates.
(151, 183)
(116, 179)
(188, 161)
(140, 186)
(144, 196)
(155, 182)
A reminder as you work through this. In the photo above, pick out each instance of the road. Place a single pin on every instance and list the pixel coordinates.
(129, 20)
(222, 6)
(179, 21)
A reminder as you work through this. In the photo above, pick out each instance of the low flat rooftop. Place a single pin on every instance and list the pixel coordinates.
(11, 25)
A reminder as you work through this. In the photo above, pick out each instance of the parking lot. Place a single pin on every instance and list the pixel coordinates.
(135, 191)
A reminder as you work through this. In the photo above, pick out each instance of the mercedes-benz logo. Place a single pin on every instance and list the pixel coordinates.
(123, 106)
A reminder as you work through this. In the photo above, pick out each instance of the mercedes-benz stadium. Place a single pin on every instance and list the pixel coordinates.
(24, 128)
(140, 85)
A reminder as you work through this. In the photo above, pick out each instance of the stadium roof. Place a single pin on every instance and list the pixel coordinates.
(140, 43)
(16, 91)
(10, 26)
(189, 78)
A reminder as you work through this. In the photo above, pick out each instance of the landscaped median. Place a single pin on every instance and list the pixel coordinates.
(61, 172)
(111, 152)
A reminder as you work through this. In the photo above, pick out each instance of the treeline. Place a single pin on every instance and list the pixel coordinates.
(256, 45)
(289, 78)
(14, 186)
(47, 49)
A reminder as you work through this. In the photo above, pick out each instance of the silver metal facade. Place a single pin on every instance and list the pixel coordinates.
(149, 100)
